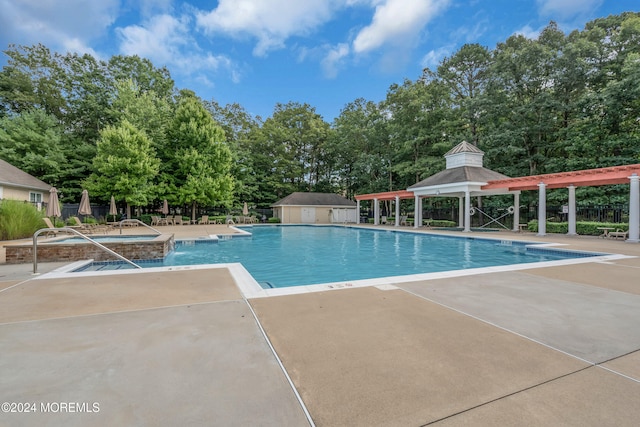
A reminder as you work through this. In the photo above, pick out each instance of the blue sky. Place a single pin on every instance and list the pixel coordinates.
(257, 53)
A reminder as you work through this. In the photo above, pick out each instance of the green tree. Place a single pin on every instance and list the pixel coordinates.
(125, 166)
(78, 91)
(289, 151)
(465, 75)
(521, 107)
(144, 109)
(360, 143)
(238, 125)
(198, 158)
(31, 142)
(418, 129)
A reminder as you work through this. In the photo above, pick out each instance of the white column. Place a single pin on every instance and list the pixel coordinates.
(397, 211)
(516, 212)
(461, 212)
(357, 211)
(542, 209)
(416, 210)
(634, 209)
(572, 210)
(376, 212)
(467, 211)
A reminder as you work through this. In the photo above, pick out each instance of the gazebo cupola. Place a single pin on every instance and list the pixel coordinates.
(464, 154)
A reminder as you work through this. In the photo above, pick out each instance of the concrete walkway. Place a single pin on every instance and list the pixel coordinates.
(535, 347)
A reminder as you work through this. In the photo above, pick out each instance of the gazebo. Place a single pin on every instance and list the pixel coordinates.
(464, 177)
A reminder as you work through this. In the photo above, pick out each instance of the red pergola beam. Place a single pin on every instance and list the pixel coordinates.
(583, 178)
(389, 195)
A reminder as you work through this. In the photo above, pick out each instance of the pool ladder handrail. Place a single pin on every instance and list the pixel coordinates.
(137, 221)
(71, 230)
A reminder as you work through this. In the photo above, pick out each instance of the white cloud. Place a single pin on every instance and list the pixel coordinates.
(66, 25)
(528, 32)
(152, 7)
(269, 21)
(567, 9)
(166, 40)
(160, 38)
(334, 59)
(396, 21)
(433, 58)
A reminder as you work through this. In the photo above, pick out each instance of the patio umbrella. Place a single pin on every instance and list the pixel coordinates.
(165, 207)
(245, 209)
(85, 207)
(53, 208)
(113, 210)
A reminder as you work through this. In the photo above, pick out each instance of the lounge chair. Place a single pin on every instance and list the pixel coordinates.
(618, 233)
(155, 220)
(204, 219)
(403, 220)
(383, 220)
(87, 228)
(177, 220)
(49, 224)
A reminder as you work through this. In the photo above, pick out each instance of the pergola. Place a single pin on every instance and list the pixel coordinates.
(465, 177)
(389, 195)
(584, 178)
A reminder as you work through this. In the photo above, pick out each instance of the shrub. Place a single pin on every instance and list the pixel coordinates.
(222, 219)
(18, 219)
(89, 220)
(273, 220)
(583, 228)
(146, 218)
(443, 223)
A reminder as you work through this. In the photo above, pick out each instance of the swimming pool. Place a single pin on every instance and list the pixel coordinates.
(283, 256)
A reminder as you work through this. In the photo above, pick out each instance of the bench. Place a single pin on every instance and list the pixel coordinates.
(618, 233)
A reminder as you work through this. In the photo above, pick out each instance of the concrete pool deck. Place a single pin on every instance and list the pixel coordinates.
(546, 346)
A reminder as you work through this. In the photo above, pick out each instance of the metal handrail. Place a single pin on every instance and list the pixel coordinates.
(137, 221)
(71, 230)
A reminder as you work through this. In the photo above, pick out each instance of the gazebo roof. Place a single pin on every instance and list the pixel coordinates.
(464, 147)
(460, 175)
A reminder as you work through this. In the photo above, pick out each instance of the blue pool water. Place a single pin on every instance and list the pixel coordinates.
(281, 256)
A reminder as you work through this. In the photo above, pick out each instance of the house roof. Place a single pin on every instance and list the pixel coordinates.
(15, 177)
(459, 175)
(314, 199)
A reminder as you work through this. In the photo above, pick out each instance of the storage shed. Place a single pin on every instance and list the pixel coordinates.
(315, 208)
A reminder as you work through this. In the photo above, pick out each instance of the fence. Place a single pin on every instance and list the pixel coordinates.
(602, 213)
(593, 213)
(71, 209)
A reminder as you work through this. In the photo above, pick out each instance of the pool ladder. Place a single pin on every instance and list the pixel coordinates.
(71, 230)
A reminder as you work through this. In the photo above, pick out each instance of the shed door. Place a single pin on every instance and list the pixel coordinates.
(308, 215)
